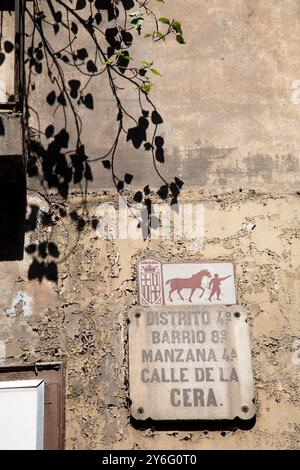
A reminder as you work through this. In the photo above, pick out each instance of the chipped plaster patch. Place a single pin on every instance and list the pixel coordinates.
(22, 301)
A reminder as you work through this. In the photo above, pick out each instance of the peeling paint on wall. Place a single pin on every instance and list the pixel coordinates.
(82, 319)
(21, 304)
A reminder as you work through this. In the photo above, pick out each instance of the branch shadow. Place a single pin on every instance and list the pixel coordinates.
(56, 154)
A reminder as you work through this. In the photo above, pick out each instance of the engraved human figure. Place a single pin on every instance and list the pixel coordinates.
(215, 284)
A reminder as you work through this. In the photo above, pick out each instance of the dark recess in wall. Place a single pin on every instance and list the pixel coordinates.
(12, 207)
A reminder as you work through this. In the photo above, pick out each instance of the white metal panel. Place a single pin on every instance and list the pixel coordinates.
(215, 286)
(190, 363)
(22, 415)
(186, 283)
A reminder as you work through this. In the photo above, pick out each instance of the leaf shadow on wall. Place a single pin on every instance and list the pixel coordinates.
(57, 153)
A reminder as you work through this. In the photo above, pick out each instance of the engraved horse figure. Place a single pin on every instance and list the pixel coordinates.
(193, 283)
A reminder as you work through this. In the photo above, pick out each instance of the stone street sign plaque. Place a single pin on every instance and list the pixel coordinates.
(183, 283)
(190, 363)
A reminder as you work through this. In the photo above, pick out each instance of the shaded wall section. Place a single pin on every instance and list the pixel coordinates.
(12, 188)
(229, 98)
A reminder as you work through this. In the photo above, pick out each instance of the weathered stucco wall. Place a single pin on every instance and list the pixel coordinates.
(229, 101)
(229, 98)
(82, 319)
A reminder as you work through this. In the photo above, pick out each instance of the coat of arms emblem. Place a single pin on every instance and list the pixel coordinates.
(150, 285)
(185, 283)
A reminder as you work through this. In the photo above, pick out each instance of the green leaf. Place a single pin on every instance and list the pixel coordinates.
(137, 22)
(155, 72)
(124, 54)
(160, 35)
(144, 62)
(146, 87)
(164, 20)
(134, 13)
(179, 38)
(176, 25)
(147, 35)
